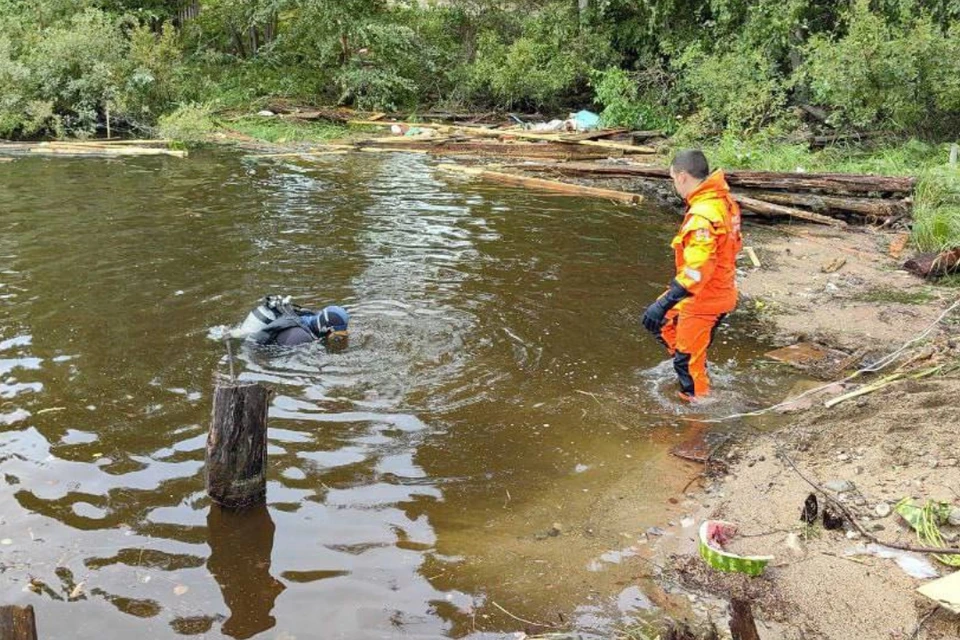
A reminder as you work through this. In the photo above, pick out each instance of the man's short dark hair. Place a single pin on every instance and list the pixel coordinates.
(691, 161)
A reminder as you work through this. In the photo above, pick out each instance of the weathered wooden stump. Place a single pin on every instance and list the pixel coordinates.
(237, 445)
(17, 623)
(742, 625)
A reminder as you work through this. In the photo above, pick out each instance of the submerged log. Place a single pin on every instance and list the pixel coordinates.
(548, 185)
(541, 151)
(236, 457)
(17, 623)
(934, 265)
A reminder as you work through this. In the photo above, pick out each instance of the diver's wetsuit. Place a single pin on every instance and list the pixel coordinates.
(288, 331)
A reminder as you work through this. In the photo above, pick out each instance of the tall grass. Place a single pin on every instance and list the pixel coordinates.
(936, 209)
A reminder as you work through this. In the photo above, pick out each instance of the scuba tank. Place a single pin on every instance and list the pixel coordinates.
(269, 309)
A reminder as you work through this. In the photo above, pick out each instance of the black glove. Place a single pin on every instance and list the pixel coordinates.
(653, 316)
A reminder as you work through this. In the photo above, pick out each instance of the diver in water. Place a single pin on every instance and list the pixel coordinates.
(277, 321)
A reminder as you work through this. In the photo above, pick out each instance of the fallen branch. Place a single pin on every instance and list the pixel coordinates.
(880, 384)
(853, 521)
(519, 619)
(549, 185)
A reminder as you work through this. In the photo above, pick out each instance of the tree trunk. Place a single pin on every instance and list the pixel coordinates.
(237, 445)
(742, 625)
(871, 207)
(769, 209)
(17, 623)
(238, 42)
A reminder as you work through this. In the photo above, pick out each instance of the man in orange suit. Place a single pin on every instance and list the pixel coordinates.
(685, 318)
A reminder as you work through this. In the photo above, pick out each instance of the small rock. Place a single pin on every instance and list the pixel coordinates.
(876, 526)
(688, 522)
(655, 531)
(934, 464)
(266, 113)
(555, 530)
(954, 517)
(860, 501)
(762, 459)
(951, 462)
(794, 545)
(859, 470)
(840, 486)
(882, 510)
(843, 457)
(853, 535)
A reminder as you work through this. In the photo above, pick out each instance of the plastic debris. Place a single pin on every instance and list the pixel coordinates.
(912, 564)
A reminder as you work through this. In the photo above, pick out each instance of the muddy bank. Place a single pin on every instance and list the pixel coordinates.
(843, 291)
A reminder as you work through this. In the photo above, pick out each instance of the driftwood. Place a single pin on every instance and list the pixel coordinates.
(236, 458)
(934, 265)
(17, 623)
(830, 182)
(547, 185)
(541, 151)
(482, 132)
(769, 209)
(100, 149)
(869, 207)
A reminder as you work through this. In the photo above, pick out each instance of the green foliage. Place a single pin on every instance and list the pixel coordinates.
(188, 123)
(739, 89)
(623, 105)
(152, 68)
(548, 62)
(903, 75)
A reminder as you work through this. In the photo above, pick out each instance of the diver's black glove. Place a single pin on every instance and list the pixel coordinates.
(654, 315)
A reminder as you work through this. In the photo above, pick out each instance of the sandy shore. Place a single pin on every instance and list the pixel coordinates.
(871, 451)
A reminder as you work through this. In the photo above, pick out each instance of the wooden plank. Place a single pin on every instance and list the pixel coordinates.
(547, 185)
(870, 207)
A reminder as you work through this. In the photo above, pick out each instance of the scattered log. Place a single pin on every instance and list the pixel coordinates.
(769, 209)
(643, 136)
(548, 185)
(541, 151)
(742, 624)
(934, 265)
(482, 132)
(236, 457)
(869, 207)
(830, 182)
(89, 149)
(822, 141)
(17, 623)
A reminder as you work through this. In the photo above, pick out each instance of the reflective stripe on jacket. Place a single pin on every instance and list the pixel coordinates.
(706, 248)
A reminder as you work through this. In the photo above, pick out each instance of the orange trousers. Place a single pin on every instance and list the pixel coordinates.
(687, 337)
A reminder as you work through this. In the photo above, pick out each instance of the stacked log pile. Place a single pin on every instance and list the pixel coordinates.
(827, 196)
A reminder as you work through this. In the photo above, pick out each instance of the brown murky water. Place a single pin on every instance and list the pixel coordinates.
(496, 382)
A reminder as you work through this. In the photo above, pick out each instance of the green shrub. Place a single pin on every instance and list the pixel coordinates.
(151, 69)
(624, 105)
(739, 89)
(547, 65)
(189, 123)
(77, 67)
(901, 75)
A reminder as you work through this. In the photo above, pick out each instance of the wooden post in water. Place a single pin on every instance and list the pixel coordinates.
(17, 623)
(237, 445)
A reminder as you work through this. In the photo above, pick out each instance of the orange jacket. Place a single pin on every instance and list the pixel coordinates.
(706, 248)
